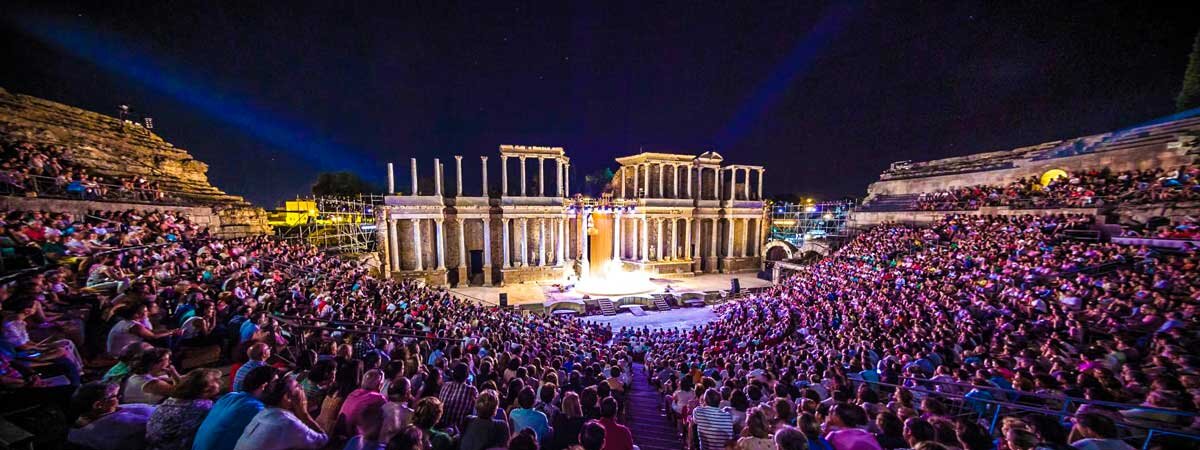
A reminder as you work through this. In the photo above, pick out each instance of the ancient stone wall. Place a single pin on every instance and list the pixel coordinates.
(116, 149)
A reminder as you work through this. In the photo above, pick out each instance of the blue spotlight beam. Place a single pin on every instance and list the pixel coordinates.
(795, 65)
(111, 54)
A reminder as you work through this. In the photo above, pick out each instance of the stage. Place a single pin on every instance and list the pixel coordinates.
(546, 293)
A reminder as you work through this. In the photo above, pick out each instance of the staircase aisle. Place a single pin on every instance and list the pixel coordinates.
(651, 430)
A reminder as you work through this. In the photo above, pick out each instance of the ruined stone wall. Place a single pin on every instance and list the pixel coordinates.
(114, 149)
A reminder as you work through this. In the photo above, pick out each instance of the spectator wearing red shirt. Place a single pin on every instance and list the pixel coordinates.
(616, 436)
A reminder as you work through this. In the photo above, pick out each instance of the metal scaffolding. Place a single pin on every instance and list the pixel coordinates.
(796, 223)
(334, 224)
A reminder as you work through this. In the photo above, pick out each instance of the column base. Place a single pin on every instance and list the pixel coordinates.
(463, 281)
(727, 265)
(711, 263)
(487, 275)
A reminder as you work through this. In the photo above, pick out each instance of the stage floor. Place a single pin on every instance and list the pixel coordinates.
(545, 292)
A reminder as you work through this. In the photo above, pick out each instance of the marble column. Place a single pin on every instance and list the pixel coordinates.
(712, 250)
(558, 177)
(746, 188)
(437, 177)
(484, 189)
(524, 242)
(414, 176)
(674, 238)
(583, 239)
(561, 256)
(391, 179)
(505, 255)
(522, 158)
(567, 180)
(487, 251)
(394, 243)
(621, 183)
(417, 244)
(503, 175)
(662, 171)
(541, 177)
(745, 234)
(646, 182)
(441, 244)
(687, 239)
(458, 175)
(645, 229)
(616, 235)
(729, 238)
(689, 182)
(634, 233)
(660, 248)
(541, 232)
(760, 183)
(717, 193)
(462, 243)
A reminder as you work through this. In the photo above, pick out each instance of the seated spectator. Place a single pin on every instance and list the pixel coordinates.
(60, 352)
(425, 416)
(568, 423)
(134, 327)
(151, 379)
(845, 424)
(227, 419)
(396, 413)
(1094, 431)
(258, 354)
(458, 397)
(366, 396)
(284, 423)
(527, 417)
(174, 423)
(789, 438)
(103, 423)
(757, 434)
(712, 425)
(616, 436)
(591, 436)
(482, 430)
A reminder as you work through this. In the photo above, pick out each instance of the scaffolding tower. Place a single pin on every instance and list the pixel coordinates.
(796, 223)
(332, 223)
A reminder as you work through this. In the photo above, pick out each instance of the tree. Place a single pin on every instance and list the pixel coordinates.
(1189, 94)
(597, 182)
(341, 183)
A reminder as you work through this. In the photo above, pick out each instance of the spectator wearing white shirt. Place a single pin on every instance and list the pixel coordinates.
(284, 423)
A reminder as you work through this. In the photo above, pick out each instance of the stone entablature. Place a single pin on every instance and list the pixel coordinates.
(530, 233)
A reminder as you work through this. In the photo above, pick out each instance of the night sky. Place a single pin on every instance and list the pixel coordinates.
(824, 95)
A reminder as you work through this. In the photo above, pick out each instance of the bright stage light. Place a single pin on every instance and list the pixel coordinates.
(613, 281)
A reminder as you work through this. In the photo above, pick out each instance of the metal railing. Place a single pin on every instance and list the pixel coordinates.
(15, 183)
(1018, 402)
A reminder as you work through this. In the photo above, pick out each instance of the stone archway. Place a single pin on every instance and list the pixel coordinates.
(818, 246)
(778, 250)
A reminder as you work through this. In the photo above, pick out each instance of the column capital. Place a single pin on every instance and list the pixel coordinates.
(521, 157)
(458, 157)
(483, 158)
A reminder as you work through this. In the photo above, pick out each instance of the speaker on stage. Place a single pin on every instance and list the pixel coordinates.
(734, 286)
(503, 300)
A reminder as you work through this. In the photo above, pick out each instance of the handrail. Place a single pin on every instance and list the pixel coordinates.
(14, 179)
(343, 322)
(363, 332)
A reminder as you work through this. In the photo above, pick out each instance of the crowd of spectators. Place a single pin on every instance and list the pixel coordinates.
(904, 338)
(1088, 188)
(889, 342)
(43, 169)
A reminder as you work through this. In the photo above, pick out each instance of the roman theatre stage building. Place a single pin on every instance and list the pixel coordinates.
(662, 214)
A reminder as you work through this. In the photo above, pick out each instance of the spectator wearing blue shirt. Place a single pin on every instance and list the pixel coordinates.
(230, 415)
(259, 353)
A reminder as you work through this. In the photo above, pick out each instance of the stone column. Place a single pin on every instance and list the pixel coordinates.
(441, 244)
(524, 242)
(646, 182)
(637, 174)
(505, 255)
(437, 177)
(503, 175)
(394, 243)
(659, 245)
(729, 237)
(633, 239)
(674, 238)
(391, 179)
(541, 231)
(760, 183)
(558, 177)
(541, 177)
(483, 161)
(458, 175)
(616, 235)
(747, 187)
(462, 253)
(414, 176)
(757, 240)
(717, 193)
(417, 244)
(583, 239)
(689, 182)
(522, 158)
(487, 251)
(661, 171)
(745, 235)
(567, 180)
(712, 249)
(621, 182)
(687, 239)
(561, 253)
(645, 240)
